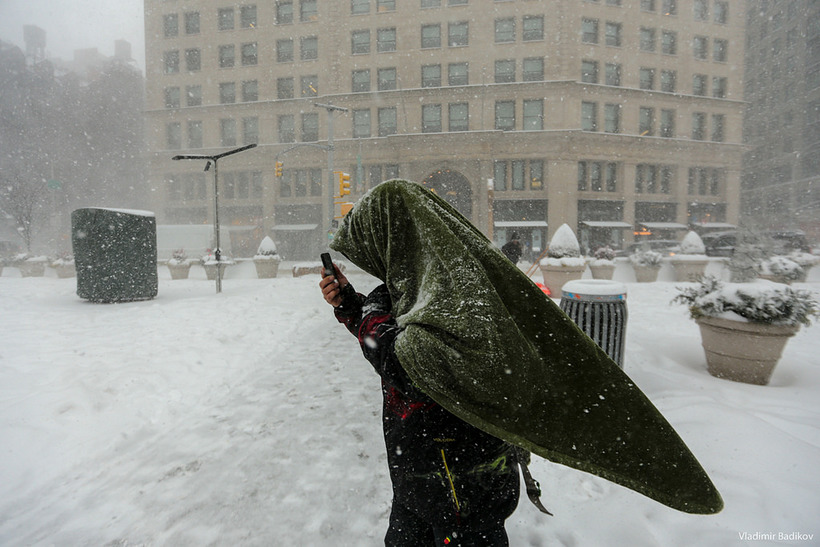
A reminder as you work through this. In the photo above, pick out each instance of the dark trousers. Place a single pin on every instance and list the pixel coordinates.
(408, 530)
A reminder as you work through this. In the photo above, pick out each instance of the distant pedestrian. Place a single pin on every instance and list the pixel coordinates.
(512, 249)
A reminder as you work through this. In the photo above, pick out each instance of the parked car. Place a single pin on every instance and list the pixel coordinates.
(720, 243)
(667, 247)
(782, 241)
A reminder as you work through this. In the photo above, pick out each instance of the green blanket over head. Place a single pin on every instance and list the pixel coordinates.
(484, 342)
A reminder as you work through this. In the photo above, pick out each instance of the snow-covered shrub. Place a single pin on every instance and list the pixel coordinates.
(692, 244)
(564, 249)
(604, 253)
(210, 258)
(645, 257)
(758, 302)
(267, 250)
(178, 257)
(781, 267)
(65, 258)
(804, 260)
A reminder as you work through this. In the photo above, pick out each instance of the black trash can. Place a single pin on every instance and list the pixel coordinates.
(115, 254)
(598, 306)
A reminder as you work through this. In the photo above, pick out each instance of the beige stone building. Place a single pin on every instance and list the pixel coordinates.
(621, 118)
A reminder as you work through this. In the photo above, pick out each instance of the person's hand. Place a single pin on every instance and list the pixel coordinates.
(332, 287)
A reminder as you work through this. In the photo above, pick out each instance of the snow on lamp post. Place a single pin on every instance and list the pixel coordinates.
(214, 159)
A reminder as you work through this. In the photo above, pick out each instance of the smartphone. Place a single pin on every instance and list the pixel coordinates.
(328, 265)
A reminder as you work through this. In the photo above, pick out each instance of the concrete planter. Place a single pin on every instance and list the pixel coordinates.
(602, 271)
(179, 271)
(211, 269)
(689, 269)
(646, 274)
(556, 276)
(743, 351)
(266, 269)
(32, 268)
(65, 270)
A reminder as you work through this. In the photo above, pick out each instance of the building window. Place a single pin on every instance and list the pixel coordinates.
(532, 69)
(172, 97)
(517, 174)
(532, 28)
(646, 121)
(226, 56)
(309, 48)
(284, 12)
(361, 123)
(613, 34)
(721, 12)
(505, 30)
(720, 53)
(430, 3)
(459, 117)
(612, 118)
(505, 71)
(308, 10)
(193, 60)
(505, 115)
(613, 74)
(227, 93)
(647, 39)
(227, 131)
(386, 40)
(457, 74)
(698, 126)
(456, 2)
(284, 50)
(247, 17)
(669, 7)
(700, 47)
(287, 130)
(536, 174)
(431, 76)
(701, 10)
(284, 88)
(171, 62)
(224, 19)
(719, 86)
(646, 178)
(360, 42)
(669, 42)
(589, 72)
(359, 7)
(193, 94)
(458, 34)
(194, 134)
(430, 36)
(431, 118)
(250, 130)
(667, 126)
(669, 81)
(250, 91)
(699, 84)
(309, 85)
(249, 54)
(597, 176)
(170, 25)
(388, 122)
(718, 127)
(310, 126)
(192, 22)
(589, 116)
(533, 110)
(647, 5)
(361, 80)
(387, 79)
(589, 31)
(647, 78)
(499, 175)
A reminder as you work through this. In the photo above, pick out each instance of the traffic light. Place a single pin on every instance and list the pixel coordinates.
(344, 184)
(278, 171)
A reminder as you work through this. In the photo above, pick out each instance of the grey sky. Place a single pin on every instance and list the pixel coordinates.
(77, 24)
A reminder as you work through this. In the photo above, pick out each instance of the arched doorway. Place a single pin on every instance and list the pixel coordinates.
(454, 188)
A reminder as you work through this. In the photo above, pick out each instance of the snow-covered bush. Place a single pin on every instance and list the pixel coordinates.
(178, 257)
(63, 259)
(758, 302)
(267, 250)
(782, 268)
(604, 253)
(804, 260)
(645, 257)
(564, 249)
(692, 244)
(210, 258)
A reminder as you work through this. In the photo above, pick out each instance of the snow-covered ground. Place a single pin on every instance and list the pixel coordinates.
(251, 418)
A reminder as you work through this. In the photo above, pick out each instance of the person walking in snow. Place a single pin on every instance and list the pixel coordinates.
(453, 484)
(512, 249)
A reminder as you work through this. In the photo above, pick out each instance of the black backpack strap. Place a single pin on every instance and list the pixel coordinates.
(533, 488)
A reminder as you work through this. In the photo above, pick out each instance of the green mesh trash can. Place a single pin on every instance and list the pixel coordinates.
(115, 254)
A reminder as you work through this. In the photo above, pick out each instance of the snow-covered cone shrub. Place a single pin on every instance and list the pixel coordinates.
(564, 249)
(645, 257)
(692, 244)
(267, 251)
(178, 257)
(781, 268)
(758, 302)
